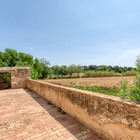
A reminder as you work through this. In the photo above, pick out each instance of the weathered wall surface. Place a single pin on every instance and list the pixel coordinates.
(19, 75)
(110, 117)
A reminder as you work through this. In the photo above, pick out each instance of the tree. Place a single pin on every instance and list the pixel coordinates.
(38, 67)
(130, 69)
(138, 62)
(109, 68)
(71, 69)
(79, 69)
(92, 67)
(104, 67)
(45, 69)
(63, 70)
(3, 64)
(120, 70)
(115, 68)
(85, 68)
(10, 57)
(124, 69)
(23, 57)
(56, 69)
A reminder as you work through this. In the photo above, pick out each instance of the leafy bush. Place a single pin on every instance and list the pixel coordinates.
(118, 74)
(3, 64)
(57, 77)
(99, 73)
(124, 92)
(132, 93)
(104, 90)
(130, 73)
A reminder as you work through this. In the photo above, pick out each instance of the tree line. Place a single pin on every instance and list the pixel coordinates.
(117, 69)
(40, 68)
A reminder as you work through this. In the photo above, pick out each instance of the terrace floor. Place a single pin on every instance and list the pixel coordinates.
(25, 115)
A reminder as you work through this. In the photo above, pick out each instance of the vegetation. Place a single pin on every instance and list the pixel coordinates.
(130, 73)
(90, 71)
(11, 58)
(116, 69)
(99, 73)
(63, 71)
(132, 93)
(40, 67)
(101, 82)
(106, 90)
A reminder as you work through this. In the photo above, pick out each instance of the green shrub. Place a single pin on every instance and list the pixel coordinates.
(99, 73)
(3, 64)
(118, 74)
(132, 93)
(124, 91)
(50, 76)
(137, 81)
(104, 90)
(130, 73)
(78, 76)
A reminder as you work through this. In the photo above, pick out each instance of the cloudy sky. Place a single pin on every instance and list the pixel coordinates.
(73, 31)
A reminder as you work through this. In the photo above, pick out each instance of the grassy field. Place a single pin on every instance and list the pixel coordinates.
(105, 85)
(100, 82)
(88, 74)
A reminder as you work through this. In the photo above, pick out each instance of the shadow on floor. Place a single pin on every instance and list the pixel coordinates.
(79, 131)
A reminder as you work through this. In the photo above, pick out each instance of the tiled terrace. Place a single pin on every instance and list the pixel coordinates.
(25, 115)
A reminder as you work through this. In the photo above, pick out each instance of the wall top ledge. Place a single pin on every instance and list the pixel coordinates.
(9, 69)
(114, 98)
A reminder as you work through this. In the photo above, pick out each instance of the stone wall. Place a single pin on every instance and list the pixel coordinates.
(108, 116)
(19, 75)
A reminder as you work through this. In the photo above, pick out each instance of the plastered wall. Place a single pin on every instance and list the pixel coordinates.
(19, 75)
(108, 116)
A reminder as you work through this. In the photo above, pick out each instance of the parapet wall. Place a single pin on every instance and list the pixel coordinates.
(19, 75)
(108, 116)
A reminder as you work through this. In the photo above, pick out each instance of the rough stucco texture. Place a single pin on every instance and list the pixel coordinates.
(19, 77)
(110, 117)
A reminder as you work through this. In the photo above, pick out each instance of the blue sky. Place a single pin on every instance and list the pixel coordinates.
(73, 31)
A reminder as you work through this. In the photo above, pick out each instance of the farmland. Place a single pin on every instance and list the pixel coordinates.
(105, 85)
(102, 82)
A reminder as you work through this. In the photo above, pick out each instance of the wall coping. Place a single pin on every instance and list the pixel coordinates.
(9, 69)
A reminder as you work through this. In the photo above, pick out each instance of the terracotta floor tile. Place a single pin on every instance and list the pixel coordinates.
(25, 115)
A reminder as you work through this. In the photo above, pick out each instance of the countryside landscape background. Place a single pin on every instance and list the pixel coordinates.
(121, 81)
(90, 45)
